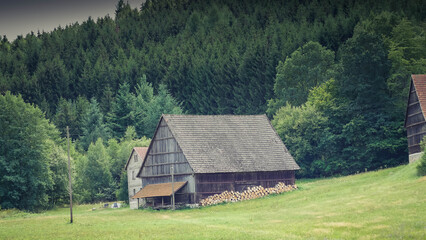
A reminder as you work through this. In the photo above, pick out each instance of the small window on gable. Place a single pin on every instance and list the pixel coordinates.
(135, 157)
(133, 175)
(134, 192)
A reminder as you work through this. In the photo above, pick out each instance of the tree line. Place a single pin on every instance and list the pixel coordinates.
(332, 76)
(347, 115)
(33, 156)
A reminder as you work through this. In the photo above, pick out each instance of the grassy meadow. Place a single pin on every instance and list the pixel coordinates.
(385, 204)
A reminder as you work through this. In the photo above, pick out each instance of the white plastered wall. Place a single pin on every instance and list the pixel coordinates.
(134, 183)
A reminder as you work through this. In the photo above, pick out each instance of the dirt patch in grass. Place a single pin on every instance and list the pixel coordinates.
(342, 224)
(422, 179)
(379, 227)
(321, 231)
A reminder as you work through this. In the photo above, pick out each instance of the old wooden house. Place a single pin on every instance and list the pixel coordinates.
(133, 166)
(211, 154)
(415, 118)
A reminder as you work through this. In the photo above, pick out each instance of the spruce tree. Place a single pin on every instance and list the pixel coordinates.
(162, 103)
(93, 126)
(121, 116)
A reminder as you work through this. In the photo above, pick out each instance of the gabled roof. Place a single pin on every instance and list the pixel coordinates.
(141, 151)
(419, 82)
(230, 143)
(159, 190)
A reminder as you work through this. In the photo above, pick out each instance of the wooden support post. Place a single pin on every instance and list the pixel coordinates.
(173, 187)
(69, 173)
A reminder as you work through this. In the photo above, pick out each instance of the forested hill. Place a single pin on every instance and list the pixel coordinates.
(215, 57)
(333, 75)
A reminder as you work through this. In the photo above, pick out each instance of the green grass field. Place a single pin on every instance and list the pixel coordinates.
(387, 204)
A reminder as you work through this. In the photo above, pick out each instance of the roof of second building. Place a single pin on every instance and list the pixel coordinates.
(230, 143)
(419, 82)
(141, 151)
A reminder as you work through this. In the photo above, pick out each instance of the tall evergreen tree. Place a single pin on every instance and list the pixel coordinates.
(121, 113)
(144, 95)
(66, 115)
(93, 126)
(162, 103)
(53, 80)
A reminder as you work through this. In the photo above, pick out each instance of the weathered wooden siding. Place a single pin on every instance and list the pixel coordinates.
(212, 183)
(415, 122)
(164, 153)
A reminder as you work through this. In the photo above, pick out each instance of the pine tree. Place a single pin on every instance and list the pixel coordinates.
(66, 115)
(162, 103)
(93, 126)
(121, 115)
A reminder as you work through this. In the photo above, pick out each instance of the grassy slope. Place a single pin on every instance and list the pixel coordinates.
(388, 204)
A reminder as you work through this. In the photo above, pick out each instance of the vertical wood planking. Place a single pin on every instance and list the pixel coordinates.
(164, 153)
(208, 184)
(415, 122)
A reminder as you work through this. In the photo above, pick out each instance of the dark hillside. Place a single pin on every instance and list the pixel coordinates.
(332, 76)
(214, 56)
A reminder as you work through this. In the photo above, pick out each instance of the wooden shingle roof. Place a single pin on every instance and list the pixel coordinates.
(230, 143)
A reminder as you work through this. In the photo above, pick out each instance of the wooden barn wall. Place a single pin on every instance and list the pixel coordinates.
(415, 122)
(212, 183)
(164, 153)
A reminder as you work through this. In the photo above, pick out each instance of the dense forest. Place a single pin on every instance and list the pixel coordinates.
(332, 76)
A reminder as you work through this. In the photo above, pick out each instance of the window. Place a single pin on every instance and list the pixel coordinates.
(133, 175)
(134, 192)
(135, 157)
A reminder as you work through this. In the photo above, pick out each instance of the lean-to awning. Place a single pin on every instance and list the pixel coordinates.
(159, 190)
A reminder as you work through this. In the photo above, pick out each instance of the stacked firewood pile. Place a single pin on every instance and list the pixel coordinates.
(250, 193)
